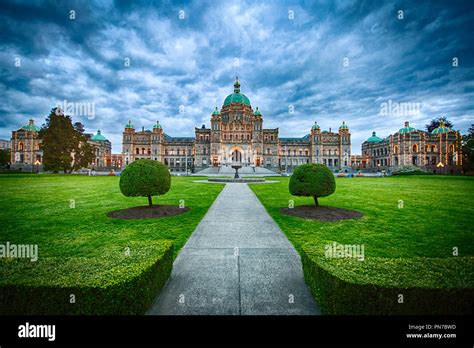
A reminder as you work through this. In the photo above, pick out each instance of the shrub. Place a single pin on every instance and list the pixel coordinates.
(145, 178)
(312, 179)
(111, 284)
(372, 287)
(410, 170)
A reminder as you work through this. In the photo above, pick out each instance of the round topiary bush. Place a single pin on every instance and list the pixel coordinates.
(145, 178)
(312, 179)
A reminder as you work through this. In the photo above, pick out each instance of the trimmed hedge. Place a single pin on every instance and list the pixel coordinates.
(312, 179)
(429, 286)
(107, 285)
(410, 170)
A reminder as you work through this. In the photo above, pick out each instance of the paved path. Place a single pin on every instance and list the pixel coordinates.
(237, 261)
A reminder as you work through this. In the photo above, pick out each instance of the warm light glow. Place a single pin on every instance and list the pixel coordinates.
(440, 165)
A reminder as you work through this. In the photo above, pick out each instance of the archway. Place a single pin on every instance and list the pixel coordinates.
(236, 156)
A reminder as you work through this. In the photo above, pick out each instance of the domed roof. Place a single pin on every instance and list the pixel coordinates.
(441, 129)
(315, 125)
(343, 125)
(157, 125)
(257, 112)
(129, 124)
(236, 97)
(374, 138)
(216, 112)
(98, 137)
(406, 129)
(31, 127)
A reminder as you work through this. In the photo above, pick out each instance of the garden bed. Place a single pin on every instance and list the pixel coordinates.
(322, 213)
(122, 282)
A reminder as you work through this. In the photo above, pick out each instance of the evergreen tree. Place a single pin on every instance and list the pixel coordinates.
(436, 122)
(468, 150)
(65, 147)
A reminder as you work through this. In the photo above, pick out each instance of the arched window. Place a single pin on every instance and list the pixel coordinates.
(451, 148)
(143, 150)
(415, 148)
(138, 151)
(21, 147)
(433, 148)
(395, 149)
(427, 148)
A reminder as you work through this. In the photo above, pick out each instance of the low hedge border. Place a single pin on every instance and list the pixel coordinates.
(372, 287)
(112, 284)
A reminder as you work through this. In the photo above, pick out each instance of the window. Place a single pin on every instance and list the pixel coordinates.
(143, 150)
(138, 151)
(415, 148)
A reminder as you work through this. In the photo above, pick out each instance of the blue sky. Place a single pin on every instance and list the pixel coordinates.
(299, 62)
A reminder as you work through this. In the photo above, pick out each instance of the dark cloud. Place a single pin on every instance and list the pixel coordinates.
(180, 69)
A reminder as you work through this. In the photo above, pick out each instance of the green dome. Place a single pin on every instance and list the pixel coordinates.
(257, 112)
(374, 138)
(343, 125)
(441, 129)
(406, 129)
(216, 112)
(157, 125)
(129, 125)
(315, 125)
(31, 127)
(236, 97)
(98, 137)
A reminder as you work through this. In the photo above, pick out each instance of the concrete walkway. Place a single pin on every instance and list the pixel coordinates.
(237, 262)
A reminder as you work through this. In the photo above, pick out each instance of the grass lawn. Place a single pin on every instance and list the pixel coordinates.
(409, 230)
(111, 266)
(66, 214)
(436, 215)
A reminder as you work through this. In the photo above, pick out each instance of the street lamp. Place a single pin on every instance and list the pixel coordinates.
(37, 163)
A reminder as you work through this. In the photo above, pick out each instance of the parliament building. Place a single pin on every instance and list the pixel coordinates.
(237, 135)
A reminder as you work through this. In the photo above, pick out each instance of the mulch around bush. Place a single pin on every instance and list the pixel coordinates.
(322, 213)
(146, 212)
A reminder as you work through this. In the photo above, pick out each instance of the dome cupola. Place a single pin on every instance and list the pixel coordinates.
(236, 97)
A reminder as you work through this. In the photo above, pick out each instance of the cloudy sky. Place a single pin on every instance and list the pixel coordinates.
(299, 62)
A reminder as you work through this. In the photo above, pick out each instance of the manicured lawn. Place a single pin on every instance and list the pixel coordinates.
(110, 266)
(436, 215)
(66, 214)
(409, 230)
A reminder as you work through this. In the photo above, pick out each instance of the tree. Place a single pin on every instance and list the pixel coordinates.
(64, 145)
(79, 127)
(468, 150)
(58, 136)
(4, 157)
(436, 122)
(145, 178)
(312, 179)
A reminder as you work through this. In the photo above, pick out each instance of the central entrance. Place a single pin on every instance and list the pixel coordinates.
(236, 156)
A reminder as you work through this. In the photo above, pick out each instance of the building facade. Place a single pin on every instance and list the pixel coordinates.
(237, 135)
(27, 155)
(439, 151)
(5, 144)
